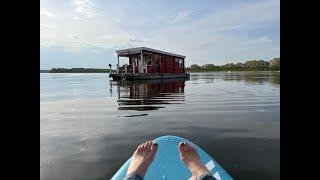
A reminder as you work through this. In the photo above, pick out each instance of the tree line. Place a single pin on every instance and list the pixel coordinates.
(251, 65)
(76, 70)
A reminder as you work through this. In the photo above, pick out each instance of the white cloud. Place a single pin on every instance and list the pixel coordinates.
(115, 20)
(212, 37)
(45, 25)
(265, 39)
(46, 12)
(181, 16)
(114, 38)
(135, 40)
(72, 36)
(243, 16)
(87, 8)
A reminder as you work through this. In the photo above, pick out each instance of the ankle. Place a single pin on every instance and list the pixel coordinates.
(140, 171)
(198, 170)
(133, 176)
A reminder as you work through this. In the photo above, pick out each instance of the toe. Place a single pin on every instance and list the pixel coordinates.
(154, 146)
(187, 147)
(140, 147)
(145, 145)
(181, 146)
(148, 146)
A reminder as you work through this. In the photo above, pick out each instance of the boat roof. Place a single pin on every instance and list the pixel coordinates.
(125, 52)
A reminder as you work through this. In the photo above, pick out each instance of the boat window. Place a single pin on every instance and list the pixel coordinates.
(134, 61)
(163, 58)
(148, 60)
(181, 63)
(140, 61)
(153, 59)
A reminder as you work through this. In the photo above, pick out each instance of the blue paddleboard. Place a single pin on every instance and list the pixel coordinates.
(167, 163)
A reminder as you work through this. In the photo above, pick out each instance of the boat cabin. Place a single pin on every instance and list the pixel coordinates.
(147, 63)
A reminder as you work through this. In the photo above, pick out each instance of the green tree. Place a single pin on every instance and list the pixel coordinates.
(208, 67)
(257, 65)
(275, 64)
(195, 67)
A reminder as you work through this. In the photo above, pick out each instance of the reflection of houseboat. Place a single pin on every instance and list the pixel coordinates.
(150, 95)
(147, 63)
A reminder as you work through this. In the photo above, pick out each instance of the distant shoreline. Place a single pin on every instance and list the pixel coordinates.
(75, 70)
(48, 71)
(251, 65)
(234, 71)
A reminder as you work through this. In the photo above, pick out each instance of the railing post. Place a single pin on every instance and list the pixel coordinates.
(118, 65)
(141, 60)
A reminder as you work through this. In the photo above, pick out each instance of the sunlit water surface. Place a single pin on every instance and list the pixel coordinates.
(89, 125)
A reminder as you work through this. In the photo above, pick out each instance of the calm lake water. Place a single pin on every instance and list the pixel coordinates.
(89, 125)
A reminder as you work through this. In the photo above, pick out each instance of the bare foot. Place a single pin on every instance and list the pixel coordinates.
(192, 160)
(142, 158)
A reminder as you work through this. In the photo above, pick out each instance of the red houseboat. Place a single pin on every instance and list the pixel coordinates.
(146, 63)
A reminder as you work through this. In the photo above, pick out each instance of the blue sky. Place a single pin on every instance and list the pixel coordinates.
(86, 33)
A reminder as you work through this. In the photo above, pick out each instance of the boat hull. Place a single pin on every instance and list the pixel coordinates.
(132, 77)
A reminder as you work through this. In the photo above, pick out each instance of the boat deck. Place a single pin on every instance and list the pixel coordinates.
(130, 77)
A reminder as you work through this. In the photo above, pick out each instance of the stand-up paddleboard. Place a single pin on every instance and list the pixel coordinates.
(167, 163)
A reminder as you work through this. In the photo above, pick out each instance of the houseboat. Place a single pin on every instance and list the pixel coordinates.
(146, 63)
